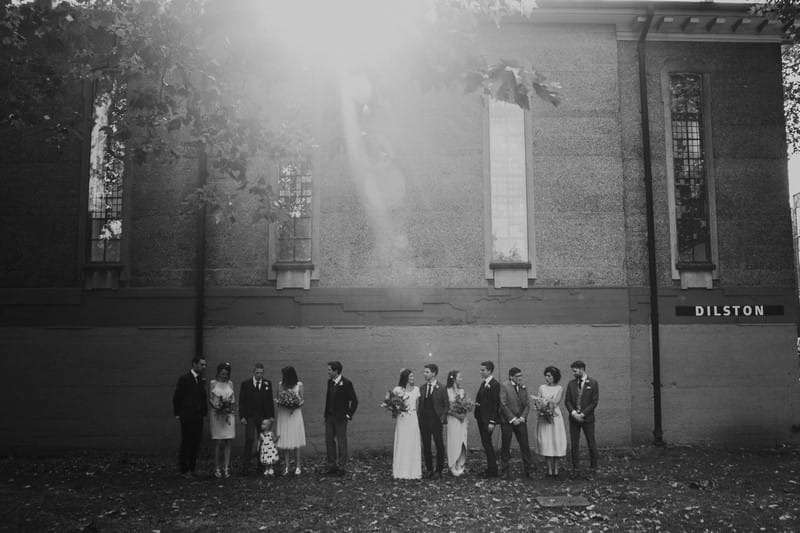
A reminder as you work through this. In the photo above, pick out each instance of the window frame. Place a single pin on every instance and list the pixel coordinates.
(701, 274)
(508, 274)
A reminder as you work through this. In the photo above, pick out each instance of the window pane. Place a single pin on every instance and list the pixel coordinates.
(294, 197)
(508, 185)
(688, 152)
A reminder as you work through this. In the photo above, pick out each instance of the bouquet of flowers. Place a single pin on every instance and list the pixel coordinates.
(461, 406)
(395, 402)
(544, 408)
(223, 407)
(288, 399)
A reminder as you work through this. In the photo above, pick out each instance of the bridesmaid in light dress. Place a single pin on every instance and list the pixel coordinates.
(456, 426)
(222, 421)
(551, 435)
(407, 454)
(290, 427)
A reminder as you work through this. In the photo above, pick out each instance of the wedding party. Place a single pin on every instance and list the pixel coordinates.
(433, 412)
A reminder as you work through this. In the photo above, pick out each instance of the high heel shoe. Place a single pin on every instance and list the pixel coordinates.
(297, 471)
(227, 473)
(286, 470)
(217, 473)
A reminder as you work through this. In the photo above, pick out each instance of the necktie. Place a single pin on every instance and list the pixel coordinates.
(430, 390)
(258, 385)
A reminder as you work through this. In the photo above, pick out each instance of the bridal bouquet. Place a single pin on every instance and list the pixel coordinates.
(224, 407)
(544, 408)
(461, 406)
(288, 399)
(395, 402)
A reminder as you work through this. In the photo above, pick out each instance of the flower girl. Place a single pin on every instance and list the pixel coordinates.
(268, 452)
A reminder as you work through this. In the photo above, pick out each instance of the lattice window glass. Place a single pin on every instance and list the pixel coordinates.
(106, 169)
(294, 233)
(507, 181)
(689, 166)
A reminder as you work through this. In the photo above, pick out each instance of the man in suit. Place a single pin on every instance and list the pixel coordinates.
(190, 405)
(514, 407)
(340, 406)
(255, 405)
(487, 411)
(581, 400)
(432, 415)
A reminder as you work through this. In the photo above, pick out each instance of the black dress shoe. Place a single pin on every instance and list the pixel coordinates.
(436, 475)
(488, 474)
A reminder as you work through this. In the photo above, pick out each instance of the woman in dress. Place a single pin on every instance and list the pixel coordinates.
(222, 419)
(289, 418)
(407, 456)
(550, 434)
(456, 425)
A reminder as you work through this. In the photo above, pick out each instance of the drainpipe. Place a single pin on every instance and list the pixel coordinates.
(651, 238)
(200, 267)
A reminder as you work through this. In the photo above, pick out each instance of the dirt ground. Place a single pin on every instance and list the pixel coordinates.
(638, 489)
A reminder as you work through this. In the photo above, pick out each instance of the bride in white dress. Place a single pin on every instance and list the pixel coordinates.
(407, 455)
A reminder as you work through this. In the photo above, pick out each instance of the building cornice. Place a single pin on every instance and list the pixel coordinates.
(672, 21)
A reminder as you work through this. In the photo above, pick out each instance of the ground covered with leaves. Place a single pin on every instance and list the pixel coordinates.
(636, 489)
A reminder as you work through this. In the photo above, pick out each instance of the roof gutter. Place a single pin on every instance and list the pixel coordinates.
(651, 239)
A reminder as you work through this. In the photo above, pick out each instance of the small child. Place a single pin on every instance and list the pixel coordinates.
(268, 452)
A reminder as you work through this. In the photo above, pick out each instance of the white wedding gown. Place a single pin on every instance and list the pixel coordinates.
(407, 456)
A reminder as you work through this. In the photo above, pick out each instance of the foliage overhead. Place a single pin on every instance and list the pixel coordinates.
(203, 76)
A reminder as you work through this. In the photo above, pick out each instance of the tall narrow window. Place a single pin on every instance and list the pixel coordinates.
(294, 234)
(509, 248)
(292, 250)
(689, 164)
(106, 169)
(691, 180)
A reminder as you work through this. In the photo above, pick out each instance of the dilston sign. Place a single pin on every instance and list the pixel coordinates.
(728, 310)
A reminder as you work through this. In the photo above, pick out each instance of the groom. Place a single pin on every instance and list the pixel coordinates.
(255, 405)
(487, 414)
(581, 400)
(340, 406)
(432, 414)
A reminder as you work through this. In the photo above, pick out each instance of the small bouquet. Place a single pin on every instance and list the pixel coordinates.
(288, 399)
(224, 407)
(461, 406)
(395, 402)
(544, 408)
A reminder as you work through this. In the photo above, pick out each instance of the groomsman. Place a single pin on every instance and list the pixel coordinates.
(190, 405)
(514, 407)
(487, 413)
(340, 406)
(432, 415)
(255, 405)
(581, 399)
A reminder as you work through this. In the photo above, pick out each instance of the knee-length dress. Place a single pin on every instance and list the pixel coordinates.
(221, 425)
(289, 422)
(551, 437)
(407, 455)
(456, 437)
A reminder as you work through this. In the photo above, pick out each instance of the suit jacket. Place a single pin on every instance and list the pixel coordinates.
(345, 401)
(589, 399)
(487, 402)
(190, 399)
(255, 403)
(513, 405)
(441, 403)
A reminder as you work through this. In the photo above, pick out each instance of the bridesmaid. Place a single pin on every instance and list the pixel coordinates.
(289, 417)
(407, 454)
(222, 419)
(456, 425)
(550, 434)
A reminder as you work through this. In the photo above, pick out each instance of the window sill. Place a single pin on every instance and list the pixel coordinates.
(510, 275)
(98, 276)
(293, 275)
(696, 275)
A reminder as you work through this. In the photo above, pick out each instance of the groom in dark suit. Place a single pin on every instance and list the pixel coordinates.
(190, 405)
(432, 413)
(255, 405)
(487, 414)
(340, 406)
(581, 400)
(514, 407)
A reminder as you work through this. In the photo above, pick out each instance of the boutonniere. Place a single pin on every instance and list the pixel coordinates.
(340, 384)
(588, 386)
(488, 386)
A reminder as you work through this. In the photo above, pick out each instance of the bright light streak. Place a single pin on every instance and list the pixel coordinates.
(346, 33)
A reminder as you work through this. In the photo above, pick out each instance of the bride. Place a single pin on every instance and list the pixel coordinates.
(407, 455)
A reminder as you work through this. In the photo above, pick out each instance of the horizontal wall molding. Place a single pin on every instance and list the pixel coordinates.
(241, 306)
